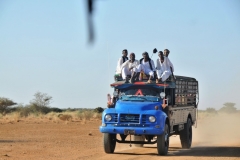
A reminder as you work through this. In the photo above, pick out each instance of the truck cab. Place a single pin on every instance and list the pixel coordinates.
(151, 113)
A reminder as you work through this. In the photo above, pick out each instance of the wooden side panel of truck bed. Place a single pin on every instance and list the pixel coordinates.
(179, 115)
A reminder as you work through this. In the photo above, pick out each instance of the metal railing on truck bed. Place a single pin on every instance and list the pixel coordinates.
(186, 91)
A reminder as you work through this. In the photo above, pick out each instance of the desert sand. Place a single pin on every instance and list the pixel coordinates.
(216, 137)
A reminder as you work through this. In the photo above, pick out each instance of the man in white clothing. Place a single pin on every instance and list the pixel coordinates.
(121, 60)
(159, 67)
(147, 66)
(130, 67)
(166, 53)
(166, 66)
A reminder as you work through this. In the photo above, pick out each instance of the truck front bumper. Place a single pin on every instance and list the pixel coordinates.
(132, 130)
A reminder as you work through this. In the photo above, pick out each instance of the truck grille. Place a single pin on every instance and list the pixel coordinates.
(144, 119)
(129, 118)
(115, 118)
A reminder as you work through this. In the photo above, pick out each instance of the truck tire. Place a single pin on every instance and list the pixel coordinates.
(163, 141)
(109, 142)
(139, 138)
(186, 135)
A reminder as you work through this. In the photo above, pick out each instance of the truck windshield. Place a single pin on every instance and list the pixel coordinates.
(139, 98)
(139, 94)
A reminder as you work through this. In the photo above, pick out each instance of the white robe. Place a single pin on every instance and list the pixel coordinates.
(165, 68)
(159, 68)
(145, 67)
(170, 63)
(119, 65)
(125, 68)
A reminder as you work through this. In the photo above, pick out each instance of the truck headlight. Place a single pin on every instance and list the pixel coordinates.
(108, 117)
(152, 119)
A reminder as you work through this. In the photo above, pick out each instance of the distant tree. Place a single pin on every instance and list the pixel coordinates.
(228, 108)
(99, 110)
(40, 103)
(41, 100)
(211, 110)
(4, 104)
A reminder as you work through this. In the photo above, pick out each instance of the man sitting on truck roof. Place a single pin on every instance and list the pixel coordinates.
(166, 67)
(147, 66)
(130, 67)
(121, 61)
(159, 68)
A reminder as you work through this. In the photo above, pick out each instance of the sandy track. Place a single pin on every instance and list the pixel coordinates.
(216, 137)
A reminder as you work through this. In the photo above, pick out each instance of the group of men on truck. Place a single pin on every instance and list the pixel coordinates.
(132, 67)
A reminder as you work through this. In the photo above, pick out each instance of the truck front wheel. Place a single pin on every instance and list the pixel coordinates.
(186, 135)
(109, 142)
(163, 141)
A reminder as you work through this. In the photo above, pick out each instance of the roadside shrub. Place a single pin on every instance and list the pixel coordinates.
(99, 110)
(38, 109)
(211, 110)
(26, 110)
(87, 115)
(65, 117)
(79, 114)
(98, 116)
(70, 110)
(23, 111)
(57, 110)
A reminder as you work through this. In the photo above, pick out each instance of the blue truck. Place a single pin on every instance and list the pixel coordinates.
(151, 113)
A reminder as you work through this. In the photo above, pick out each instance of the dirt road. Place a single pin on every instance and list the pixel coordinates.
(215, 137)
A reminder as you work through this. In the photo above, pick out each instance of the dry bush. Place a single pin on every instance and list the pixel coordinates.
(65, 117)
(11, 117)
(97, 116)
(34, 115)
(87, 115)
(51, 116)
(1, 116)
(79, 115)
(211, 110)
(71, 113)
(27, 110)
(84, 114)
(203, 115)
(98, 110)
(28, 113)
(16, 116)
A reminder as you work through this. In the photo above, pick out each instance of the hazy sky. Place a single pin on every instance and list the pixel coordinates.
(44, 47)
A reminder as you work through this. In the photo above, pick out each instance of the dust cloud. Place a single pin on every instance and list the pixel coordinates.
(214, 130)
